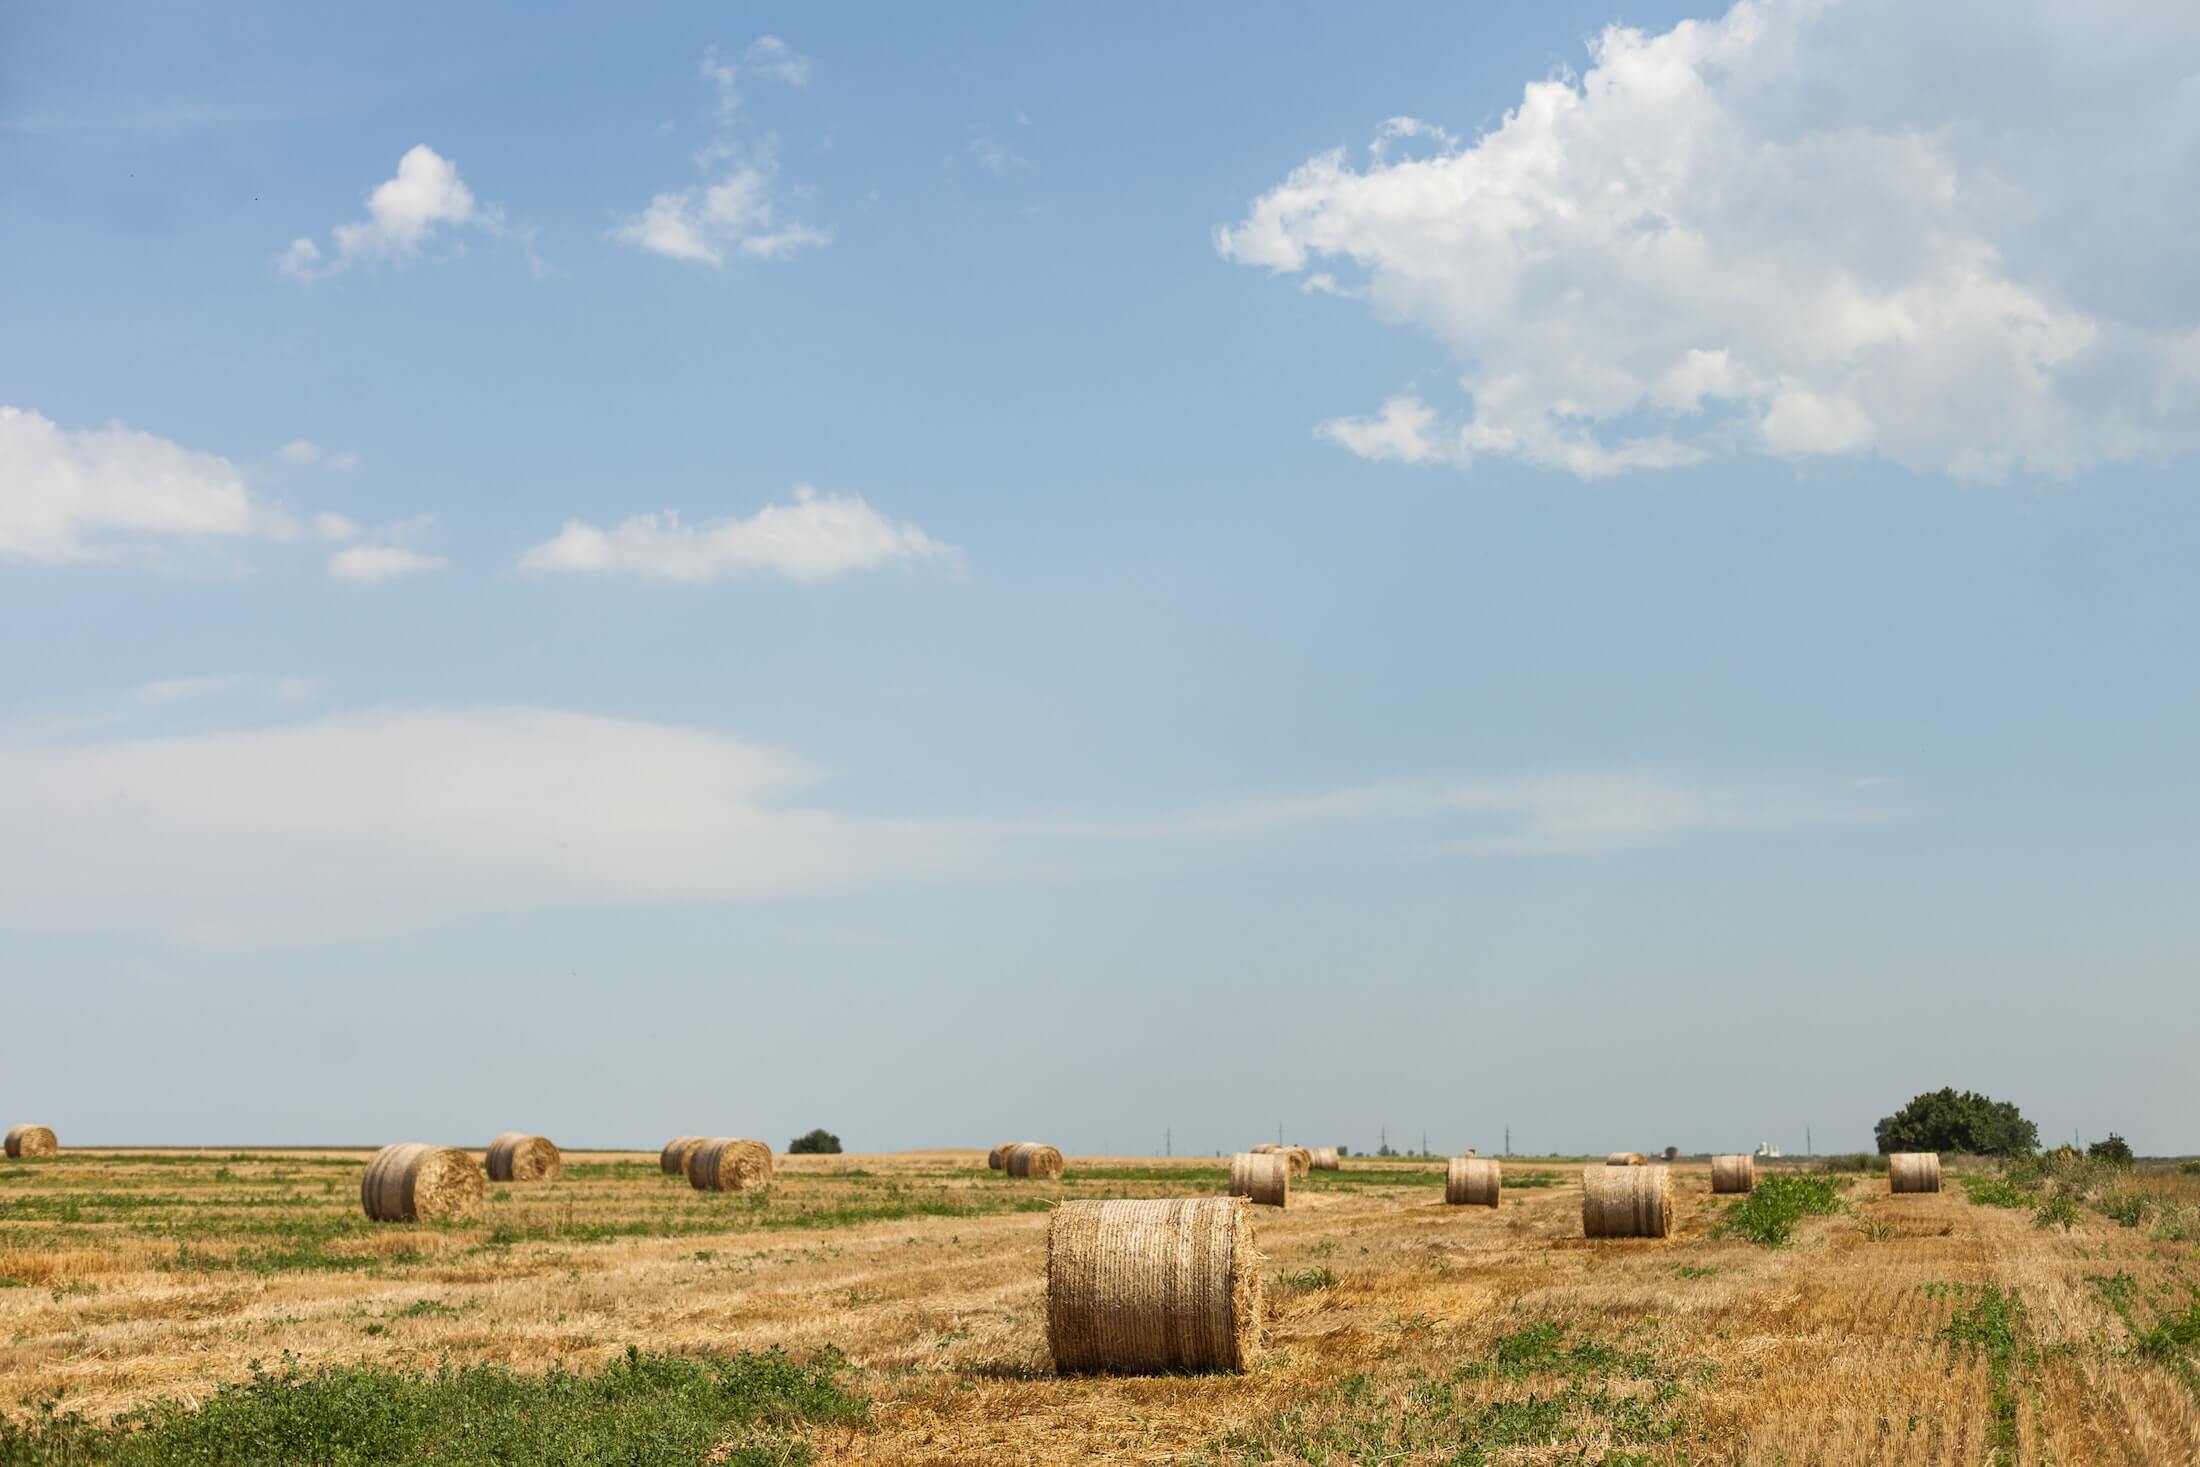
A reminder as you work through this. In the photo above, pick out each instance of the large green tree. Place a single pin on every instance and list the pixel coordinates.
(1965, 1121)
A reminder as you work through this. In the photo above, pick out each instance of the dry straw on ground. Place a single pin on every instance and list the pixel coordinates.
(1153, 1286)
(1325, 1158)
(1472, 1182)
(25, 1141)
(516, 1156)
(1032, 1159)
(1261, 1176)
(415, 1182)
(1624, 1158)
(672, 1161)
(1737, 1173)
(1913, 1171)
(1626, 1202)
(729, 1164)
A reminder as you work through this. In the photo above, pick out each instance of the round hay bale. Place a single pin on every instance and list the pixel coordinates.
(1737, 1173)
(1472, 1182)
(729, 1164)
(29, 1141)
(415, 1182)
(1626, 1202)
(1325, 1158)
(1031, 1159)
(1261, 1176)
(516, 1156)
(1913, 1171)
(1156, 1286)
(1624, 1158)
(1265, 1147)
(1299, 1158)
(672, 1161)
(997, 1158)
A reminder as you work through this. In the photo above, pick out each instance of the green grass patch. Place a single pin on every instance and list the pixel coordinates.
(1308, 1278)
(1990, 1324)
(2171, 1339)
(1768, 1215)
(641, 1410)
(2055, 1212)
(1993, 1191)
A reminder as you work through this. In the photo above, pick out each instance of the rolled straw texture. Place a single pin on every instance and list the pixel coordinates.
(998, 1156)
(672, 1161)
(1301, 1159)
(1472, 1182)
(414, 1182)
(1626, 1202)
(1261, 1176)
(24, 1141)
(1737, 1173)
(1325, 1158)
(1031, 1159)
(1153, 1286)
(729, 1164)
(1913, 1171)
(1264, 1148)
(1624, 1158)
(516, 1156)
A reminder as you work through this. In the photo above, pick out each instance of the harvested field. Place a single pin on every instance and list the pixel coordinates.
(1902, 1329)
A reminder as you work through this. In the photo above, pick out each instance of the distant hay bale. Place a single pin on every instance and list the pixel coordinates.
(1737, 1173)
(1032, 1159)
(729, 1164)
(1624, 1158)
(1913, 1171)
(1261, 1176)
(1472, 1182)
(672, 1161)
(1325, 1158)
(516, 1156)
(997, 1158)
(1470, 1151)
(1265, 1147)
(1626, 1202)
(1301, 1159)
(1153, 1286)
(28, 1141)
(414, 1182)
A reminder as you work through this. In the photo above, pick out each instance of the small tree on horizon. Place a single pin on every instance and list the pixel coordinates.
(1965, 1122)
(819, 1142)
(2116, 1151)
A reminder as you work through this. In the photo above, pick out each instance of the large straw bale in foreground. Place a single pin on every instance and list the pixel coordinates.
(1153, 1286)
(672, 1161)
(1626, 1202)
(729, 1164)
(1032, 1159)
(27, 1141)
(1913, 1171)
(1261, 1176)
(1325, 1158)
(516, 1156)
(1624, 1158)
(415, 1182)
(1472, 1182)
(1736, 1173)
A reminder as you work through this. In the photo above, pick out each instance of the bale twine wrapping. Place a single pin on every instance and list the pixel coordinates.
(1736, 1173)
(1624, 1158)
(1626, 1202)
(672, 1161)
(729, 1164)
(1300, 1159)
(415, 1182)
(1153, 1286)
(1913, 1171)
(1325, 1158)
(1470, 1181)
(26, 1141)
(1261, 1176)
(1032, 1159)
(516, 1156)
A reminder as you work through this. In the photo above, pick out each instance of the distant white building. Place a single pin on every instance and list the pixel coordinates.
(1766, 1148)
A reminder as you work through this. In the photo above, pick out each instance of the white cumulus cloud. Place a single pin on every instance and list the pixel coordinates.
(817, 537)
(1953, 235)
(736, 210)
(371, 565)
(425, 201)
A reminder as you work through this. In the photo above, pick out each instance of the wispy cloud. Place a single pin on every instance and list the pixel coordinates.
(425, 203)
(816, 538)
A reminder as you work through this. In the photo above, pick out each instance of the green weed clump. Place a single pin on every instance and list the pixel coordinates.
(1994, 1191)
(1768, 1215)
(643, 1409)
(1990, 1323)
(2055, 1212)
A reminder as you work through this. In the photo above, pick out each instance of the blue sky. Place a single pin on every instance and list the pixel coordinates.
(956, 575)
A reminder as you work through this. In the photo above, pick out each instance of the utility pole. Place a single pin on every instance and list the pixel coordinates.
(1383, 1134)
(1508, 1138)
(1279, 1133)
(1424, 1143)
(1168, 1141)
(1807, 1151)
